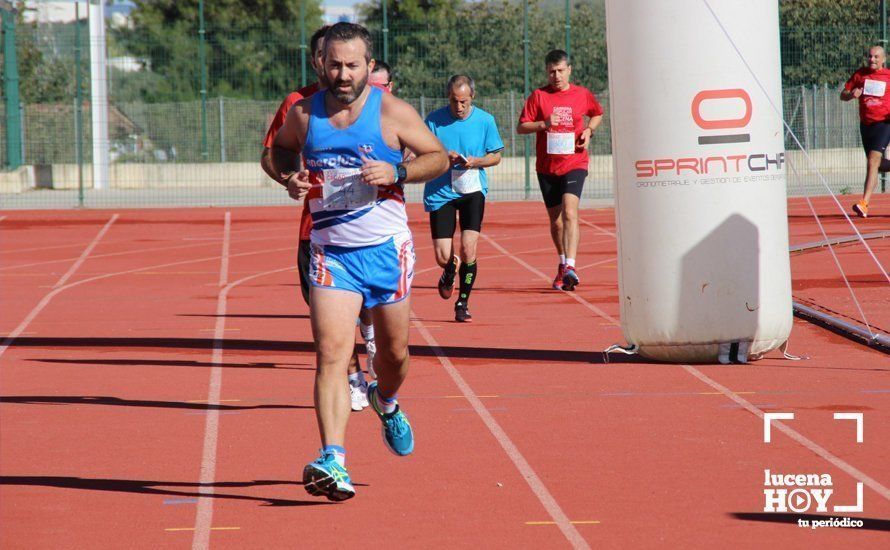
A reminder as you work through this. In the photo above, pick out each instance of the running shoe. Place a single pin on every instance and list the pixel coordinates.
(570, 279)
(462, 314)
(446, 281)
(557, 281)
(371, 348)
(358, 395)
(861, 209)
(397, 433)
(325, 477)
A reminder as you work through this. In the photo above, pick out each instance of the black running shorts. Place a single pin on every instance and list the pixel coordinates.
(471, 208)
(875, 137)
(303, 268)
(554, 187)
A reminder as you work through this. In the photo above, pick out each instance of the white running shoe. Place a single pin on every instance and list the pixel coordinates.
(372, 351)
(358, 395)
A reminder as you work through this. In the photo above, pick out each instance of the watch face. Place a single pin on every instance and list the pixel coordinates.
(402, 172)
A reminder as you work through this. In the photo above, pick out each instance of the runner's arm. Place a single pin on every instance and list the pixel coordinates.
(266, 163)
(592, 124)
(491, 159)
(288, 142)
(847, 95)
(412, 133)
(851, 90)
(286, 149)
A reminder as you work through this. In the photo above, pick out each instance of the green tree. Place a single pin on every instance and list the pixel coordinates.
(252, 47)
(43, 77)
(432, 40)
(823, 41)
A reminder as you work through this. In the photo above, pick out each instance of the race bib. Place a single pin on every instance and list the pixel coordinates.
(465, 181)
(344, 190)
(559, 143)
(874, 88)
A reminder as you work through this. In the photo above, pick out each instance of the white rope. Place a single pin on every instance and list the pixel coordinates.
(797, 141)
(837, 261)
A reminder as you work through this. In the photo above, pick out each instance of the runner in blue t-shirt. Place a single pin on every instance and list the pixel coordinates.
(471, 137)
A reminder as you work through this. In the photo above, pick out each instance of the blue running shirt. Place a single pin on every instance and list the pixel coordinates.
(475, 136)
(345, 211)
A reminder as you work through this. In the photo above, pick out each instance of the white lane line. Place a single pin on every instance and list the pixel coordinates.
(224, 264)
(600, 262)
(83, 255)
(204, 512)
(58, 287)
(598, 228)
(130, 251)
(525, 469)
(793, 434)
(540, 273)
(12, 336)
(790, 432)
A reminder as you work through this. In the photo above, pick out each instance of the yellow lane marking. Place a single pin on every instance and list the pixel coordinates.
(589, 522)
(192, 529)
(175, 273)
(463, 397)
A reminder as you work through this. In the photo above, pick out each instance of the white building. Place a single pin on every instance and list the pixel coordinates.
(62, 11)
(336, 14)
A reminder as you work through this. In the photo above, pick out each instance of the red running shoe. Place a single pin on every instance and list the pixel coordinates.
(557, 281)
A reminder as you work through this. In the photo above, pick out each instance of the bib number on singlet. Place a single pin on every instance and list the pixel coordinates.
(874, 88)
(560, 143)
(344, 190)
(465, 181)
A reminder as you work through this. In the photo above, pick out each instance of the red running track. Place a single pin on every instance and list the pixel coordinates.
(156, 384)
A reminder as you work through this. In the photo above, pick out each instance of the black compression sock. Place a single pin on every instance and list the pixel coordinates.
(467, 278)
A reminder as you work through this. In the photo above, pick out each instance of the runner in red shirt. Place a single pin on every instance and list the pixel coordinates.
(869, 85)
(555, 113)
(381, 76)
(316, 46)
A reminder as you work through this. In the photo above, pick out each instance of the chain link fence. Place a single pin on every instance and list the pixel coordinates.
(168, 146)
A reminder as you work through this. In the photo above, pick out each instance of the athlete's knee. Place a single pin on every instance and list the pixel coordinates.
(443, 257)
(570, 215)
(391, 355)
(333, 352)
(468, 251)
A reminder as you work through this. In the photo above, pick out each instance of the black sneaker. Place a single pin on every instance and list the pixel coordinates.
(462, 314)
(446, 281)
(446, 285)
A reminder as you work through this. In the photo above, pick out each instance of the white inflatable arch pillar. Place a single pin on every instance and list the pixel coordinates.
(699, 163)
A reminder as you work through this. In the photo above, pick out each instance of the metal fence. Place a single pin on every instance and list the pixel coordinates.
(171, 145)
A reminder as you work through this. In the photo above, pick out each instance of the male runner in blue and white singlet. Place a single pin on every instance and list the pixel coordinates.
(351, 137)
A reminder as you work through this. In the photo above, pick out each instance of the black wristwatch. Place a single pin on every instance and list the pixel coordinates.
(401, 173)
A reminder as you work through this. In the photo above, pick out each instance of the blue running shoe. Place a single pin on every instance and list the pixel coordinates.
(325, 477)
(570, 279)
(397, 432)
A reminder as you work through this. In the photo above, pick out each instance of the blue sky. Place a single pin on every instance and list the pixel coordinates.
(340, 3)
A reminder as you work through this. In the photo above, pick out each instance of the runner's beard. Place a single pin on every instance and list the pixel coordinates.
(354, 92)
